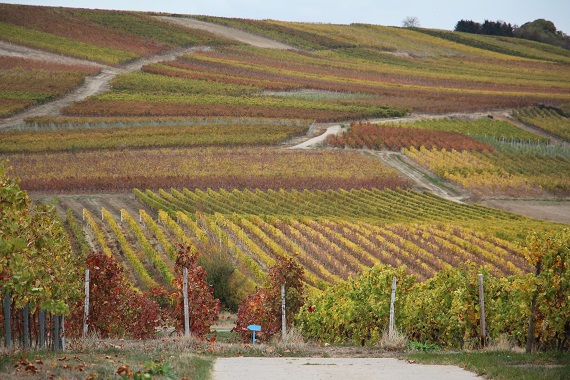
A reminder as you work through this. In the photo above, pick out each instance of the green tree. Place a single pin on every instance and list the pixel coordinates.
(545, 31)
(37, 264)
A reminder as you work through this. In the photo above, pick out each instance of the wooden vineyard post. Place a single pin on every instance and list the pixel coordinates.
(7, 328)
(186, 312)
(531, 322)
(86, 304)
(392, 301)
(482, 310)
(283, 315)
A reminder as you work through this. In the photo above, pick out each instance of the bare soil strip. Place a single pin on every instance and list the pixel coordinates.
(13, 50)
(335, 129)
(228, 32)
(254, 368)
(554, 139)
(423, 178)
(554, 210)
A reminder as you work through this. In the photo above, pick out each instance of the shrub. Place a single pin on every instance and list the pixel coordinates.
(263, 307)
(115, 308)
(203, 307)
(355, 311)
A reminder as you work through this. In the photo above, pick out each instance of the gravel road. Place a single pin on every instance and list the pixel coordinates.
(252, 368)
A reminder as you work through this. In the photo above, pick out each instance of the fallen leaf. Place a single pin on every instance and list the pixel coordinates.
(125, 370)
(31, 369)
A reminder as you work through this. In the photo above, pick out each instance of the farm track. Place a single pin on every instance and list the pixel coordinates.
(424, 179)
(554, 139)
(555, 210)
(91, 86)
(228, 32)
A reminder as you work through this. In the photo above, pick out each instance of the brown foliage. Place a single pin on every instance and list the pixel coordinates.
(203, 307)
(94, 107)
(263, 307)
(63, 23)
(115, 308)
(394, 138)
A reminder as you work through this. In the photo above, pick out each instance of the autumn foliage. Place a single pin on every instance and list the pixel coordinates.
(203, 168)
(203, 307)
(371, 136)
(115, 308)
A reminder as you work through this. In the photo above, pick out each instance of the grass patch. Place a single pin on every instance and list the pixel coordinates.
(5, 362)
(503, 364)
(108, 361)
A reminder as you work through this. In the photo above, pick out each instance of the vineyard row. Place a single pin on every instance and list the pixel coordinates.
(330, 250)
(371, 204)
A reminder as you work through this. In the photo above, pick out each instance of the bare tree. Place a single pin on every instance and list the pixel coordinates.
(411, 22)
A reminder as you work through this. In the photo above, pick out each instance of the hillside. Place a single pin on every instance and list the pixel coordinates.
(188, 118)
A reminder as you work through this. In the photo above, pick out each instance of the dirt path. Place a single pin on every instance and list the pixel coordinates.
(334, 129)
(91, 86)
(227, 32)
(252, 368)
(12, 50)
(423, 178)
(555, 140)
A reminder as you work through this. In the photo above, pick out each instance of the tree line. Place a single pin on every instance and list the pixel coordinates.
(540, 30)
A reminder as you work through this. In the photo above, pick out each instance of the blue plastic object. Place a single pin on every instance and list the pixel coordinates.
(254, 328)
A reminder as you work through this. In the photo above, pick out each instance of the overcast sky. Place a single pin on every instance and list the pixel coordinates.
(441, 14)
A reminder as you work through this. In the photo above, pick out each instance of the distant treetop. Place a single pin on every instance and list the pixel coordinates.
(493, 28)
(411, 22)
